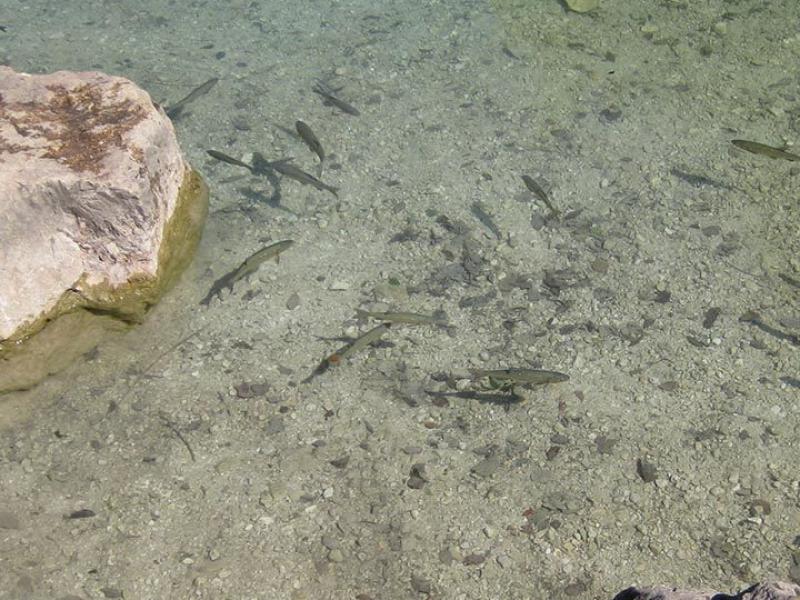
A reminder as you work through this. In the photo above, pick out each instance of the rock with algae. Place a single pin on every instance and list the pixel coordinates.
(99, 212)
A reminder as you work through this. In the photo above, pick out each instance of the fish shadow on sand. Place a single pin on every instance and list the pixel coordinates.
(504, 399)
(272, 200)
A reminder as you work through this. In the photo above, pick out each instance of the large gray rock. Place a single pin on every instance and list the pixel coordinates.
(91, 183)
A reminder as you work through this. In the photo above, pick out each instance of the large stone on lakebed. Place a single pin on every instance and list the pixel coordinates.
(99, 213)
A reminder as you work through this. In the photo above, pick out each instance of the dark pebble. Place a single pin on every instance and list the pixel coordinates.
(475, 559)
(417, 477)
(711, 317)
(247, 390)
(340, 463)
(420, 585)
(552, 452)
(647, 471)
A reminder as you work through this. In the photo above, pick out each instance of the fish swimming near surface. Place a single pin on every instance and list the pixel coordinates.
(311, 140)
(174, 111)
(248, 267)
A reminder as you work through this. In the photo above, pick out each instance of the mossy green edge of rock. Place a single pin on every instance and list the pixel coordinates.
(80, 320)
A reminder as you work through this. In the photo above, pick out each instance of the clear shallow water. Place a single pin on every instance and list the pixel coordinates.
(302, 490)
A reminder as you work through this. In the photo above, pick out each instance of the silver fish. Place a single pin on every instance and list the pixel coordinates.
(249, 266)
(763, 149)
(361, 342)
(174, 111)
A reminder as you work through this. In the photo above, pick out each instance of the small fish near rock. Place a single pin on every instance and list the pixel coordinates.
(175, 111)
(248, 267)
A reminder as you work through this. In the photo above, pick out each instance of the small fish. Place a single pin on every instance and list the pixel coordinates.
(249, 266)
(539, 192)
(361, 342)
(324, 91)
(408, 318)
(174, 111)
(483, 216)
(509, 53)
(311, 140)
(83, 513)
(221, 156)
(292, 172)
(763, 149)
(520, 376)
